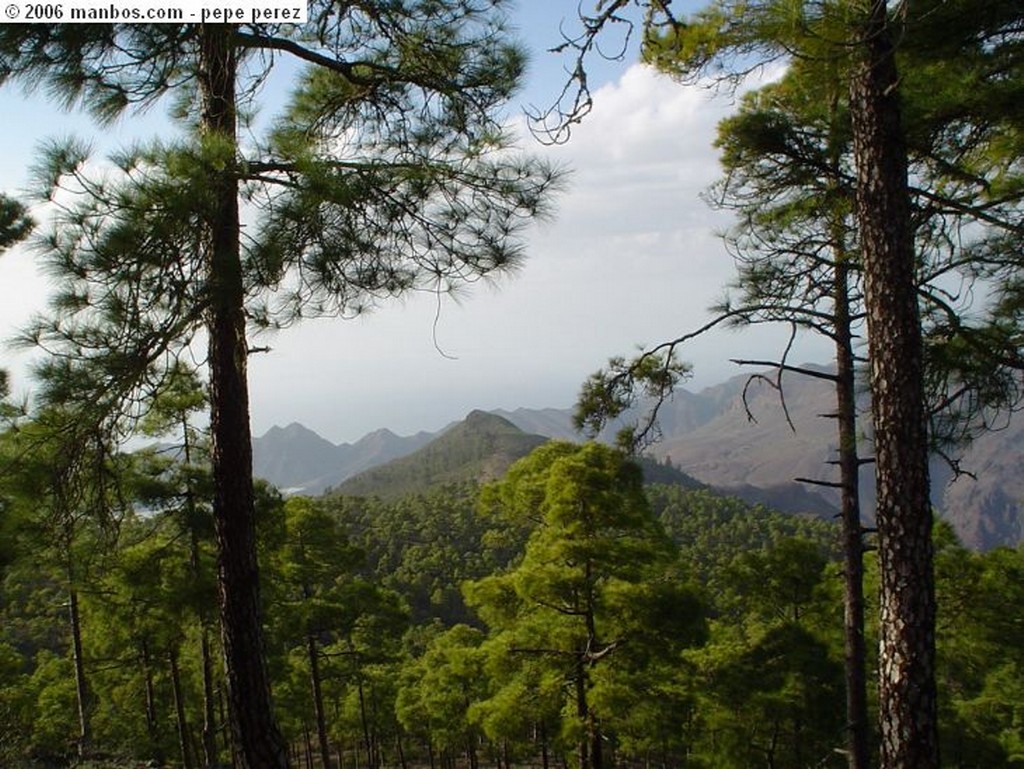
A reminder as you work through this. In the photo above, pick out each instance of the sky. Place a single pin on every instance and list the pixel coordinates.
(631, 257)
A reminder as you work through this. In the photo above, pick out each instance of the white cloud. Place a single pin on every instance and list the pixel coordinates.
(631, 259)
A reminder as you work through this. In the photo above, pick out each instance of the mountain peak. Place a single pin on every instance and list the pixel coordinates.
(485, 421)
(292, 431)
(479, 448)
(383, 434)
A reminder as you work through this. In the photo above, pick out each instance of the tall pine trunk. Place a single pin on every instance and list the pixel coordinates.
(855, 651)
(180, 720)
(318, 701)
(365, 721)
(82, 694)
(258, 743)
(907, 694)
(854, 647)
(152, 724)
(209, 738)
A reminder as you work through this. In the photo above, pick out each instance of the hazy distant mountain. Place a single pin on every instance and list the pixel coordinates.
(988, 508)
(686, 411)
(709, 436)
(751, 448)
(294, 458)
(480, 448)
(760, 460)
(747, 449)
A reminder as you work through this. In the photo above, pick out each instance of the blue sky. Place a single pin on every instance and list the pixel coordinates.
(632, 257)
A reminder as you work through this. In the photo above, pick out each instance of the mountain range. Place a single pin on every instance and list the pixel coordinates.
(743, 437)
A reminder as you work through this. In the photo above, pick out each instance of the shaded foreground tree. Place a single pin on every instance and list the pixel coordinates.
(388, 172)
(180, 487)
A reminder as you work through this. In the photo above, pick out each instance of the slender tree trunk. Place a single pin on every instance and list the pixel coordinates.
(592, 729)
(855, 656)
(474, 762)
(367, 741)
(855, 650)
(151, 721)
(583, 714)
(544, 758)
(907, 692)
(254, 731)
(308, 740)
(318, 701)
(179, 710)
(81, 683)
(209, 737)
(596, 747)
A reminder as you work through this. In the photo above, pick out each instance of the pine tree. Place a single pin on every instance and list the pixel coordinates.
(388, 172)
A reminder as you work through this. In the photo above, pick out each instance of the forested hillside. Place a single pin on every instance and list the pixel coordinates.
(753, 444)
(427, 625)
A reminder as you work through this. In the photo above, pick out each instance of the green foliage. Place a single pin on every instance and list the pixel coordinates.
(784, 579)
(423, 546)
(51, 720)
(711, 530)
(609, 393)
(743, 670)
(775, 699)
(438, 689)
(596, 593)
(15, 223)
(980, 600)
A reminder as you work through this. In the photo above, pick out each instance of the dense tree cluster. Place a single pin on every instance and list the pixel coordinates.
(566, 615)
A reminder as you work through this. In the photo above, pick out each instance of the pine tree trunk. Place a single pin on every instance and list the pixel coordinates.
(209, 738)
(179, 710)
(402, 761)
(318, 702)
(258, 742)
(308, 740)
(582, 713)
(81, 683)
(855, 650)
(365, 721)
(907, 693)
(151, 719)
